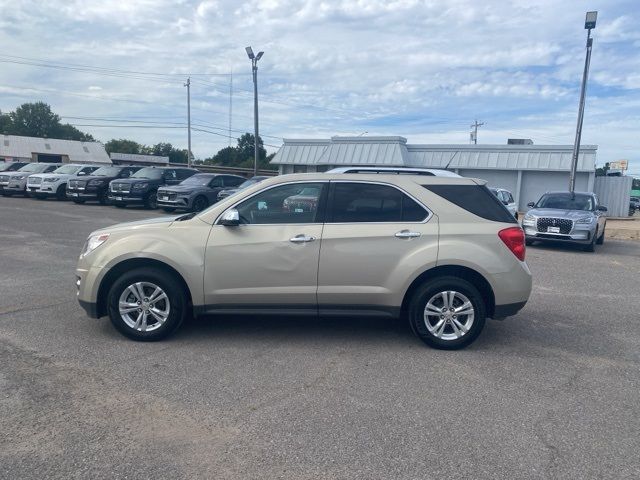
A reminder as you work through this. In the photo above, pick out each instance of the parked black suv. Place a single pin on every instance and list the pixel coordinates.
(96, 185)
(197, 192)
(142, 187)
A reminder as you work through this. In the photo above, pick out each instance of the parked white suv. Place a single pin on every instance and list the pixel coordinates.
(442, 252)
(54, 184)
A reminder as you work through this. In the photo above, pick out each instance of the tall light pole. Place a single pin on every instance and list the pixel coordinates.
(254, 67)
(589, 24)
(474, 134)
(188, 85)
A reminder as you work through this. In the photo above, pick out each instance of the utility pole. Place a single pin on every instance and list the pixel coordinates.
(188, 85)
(254, 68)
(589, 24)
(230, 104)
(474, 135)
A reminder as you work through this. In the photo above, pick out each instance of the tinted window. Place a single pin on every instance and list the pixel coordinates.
(476, 199)
(365, 202)
(566, 201)
(293, 203)
(148, 172)
(216, 182)
(170, 174)
(107, 172)
(67, 169)
(184, 173)
(232, 181)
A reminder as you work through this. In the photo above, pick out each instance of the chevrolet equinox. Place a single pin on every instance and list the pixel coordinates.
(442, 252)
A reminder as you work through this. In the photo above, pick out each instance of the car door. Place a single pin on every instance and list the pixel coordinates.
(373, 235)
(270, 260)
(215, 185)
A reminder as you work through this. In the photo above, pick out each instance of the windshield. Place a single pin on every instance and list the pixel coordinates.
(107, 172)
(148, 172)
(67, 169)
(566, 201)
(34, 167)
(5, 166)
(197, 180)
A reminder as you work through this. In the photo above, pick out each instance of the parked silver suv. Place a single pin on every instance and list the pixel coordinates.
(441, 251)
(567, 217)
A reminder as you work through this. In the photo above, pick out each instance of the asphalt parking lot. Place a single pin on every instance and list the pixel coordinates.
(550, 393)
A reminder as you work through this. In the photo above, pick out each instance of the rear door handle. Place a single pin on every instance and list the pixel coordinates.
(302, 238)
(407, 234)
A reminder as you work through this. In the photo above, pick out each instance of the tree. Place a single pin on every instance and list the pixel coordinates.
(602, 171)
(227, 157)
(37, 120)
(123, 145)
(167, 150)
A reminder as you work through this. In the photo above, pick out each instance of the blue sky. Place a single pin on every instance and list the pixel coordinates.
(421, 69)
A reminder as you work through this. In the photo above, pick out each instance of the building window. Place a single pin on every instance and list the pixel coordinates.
(299, 169)
(85, 149)
(47, 146)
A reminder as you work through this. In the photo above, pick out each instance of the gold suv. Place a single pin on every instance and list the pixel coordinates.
(442, 252)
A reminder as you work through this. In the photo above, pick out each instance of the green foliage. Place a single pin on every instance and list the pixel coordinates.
(602, 171)
(242, 155)
(167, 150)
(38, 120)
(123, 145)
(636, 184)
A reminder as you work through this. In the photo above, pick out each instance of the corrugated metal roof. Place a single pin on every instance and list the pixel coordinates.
(134, 157)
(78, 152)
(395, 151)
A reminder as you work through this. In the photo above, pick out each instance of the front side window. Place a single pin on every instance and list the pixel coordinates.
(372, 203)
(232, 181)
(67, 169)
(286, 204)
(198, 180)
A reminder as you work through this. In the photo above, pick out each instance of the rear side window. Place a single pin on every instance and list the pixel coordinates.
(476, 199)
(370, 203)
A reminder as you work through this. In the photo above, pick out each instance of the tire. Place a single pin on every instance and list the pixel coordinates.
(172, 307)
(120, 205)
(591, 246)
(78, 201)
(168, 209)
(600, 240)
(102, 198)
(61, 192)
(199, 204)
(430, 294)
(151, 200)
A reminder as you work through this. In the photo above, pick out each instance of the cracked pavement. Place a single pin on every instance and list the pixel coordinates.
(550, 393)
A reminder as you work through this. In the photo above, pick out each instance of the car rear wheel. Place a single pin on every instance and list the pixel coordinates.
(61, 192)
(147, 304)
(200, 203)
(447, 313)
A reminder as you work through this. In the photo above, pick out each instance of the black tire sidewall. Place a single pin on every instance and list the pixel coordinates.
(164, 280)
(201, 199)
(147, 200)
(424, 293)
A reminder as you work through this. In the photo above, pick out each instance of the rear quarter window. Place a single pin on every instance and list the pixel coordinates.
(476, 199)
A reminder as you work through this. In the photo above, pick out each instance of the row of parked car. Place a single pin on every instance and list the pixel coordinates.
(170, 188)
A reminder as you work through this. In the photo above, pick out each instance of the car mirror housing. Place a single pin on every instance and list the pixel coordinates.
(504, 202)
(230, 218)
(531, 204)
(602, 209)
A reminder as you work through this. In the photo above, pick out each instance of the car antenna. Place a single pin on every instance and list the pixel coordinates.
(451, 160)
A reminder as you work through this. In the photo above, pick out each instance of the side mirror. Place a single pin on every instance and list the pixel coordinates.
(80, 174)
(602, 209)
(230, 218)
(531, 204)
(504, 202)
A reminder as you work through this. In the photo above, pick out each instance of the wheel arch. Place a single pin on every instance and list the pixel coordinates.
(130, 264)
(466, 273)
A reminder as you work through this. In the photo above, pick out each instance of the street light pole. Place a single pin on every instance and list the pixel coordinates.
(254, 68)
(589, 24)
(188, 85)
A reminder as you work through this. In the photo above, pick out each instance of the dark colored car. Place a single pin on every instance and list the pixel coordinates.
(96, 186)
(11, 166)
(142, 187)
(246, 184)
(197, 192)
(634, 205)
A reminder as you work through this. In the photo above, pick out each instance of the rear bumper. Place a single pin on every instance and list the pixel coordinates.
(504, 311)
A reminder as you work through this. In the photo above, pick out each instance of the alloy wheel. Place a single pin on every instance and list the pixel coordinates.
(449, 315)
(144, 306)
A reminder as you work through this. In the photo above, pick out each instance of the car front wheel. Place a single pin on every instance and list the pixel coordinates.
(147, 304)
(447, 313)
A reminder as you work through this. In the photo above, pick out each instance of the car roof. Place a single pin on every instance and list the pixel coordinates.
(376, 177)
(396, 170)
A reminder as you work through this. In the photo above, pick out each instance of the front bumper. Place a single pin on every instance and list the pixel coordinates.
(83, 193)
(181, 202)
(576, 235)
(43, 190)
(129, 197)
(87, 282)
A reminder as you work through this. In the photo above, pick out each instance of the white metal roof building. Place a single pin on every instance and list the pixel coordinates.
(526, 170)
(35, 149)
(137, 159)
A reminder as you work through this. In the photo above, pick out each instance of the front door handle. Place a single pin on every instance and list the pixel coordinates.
(302, 238)
(407, 234)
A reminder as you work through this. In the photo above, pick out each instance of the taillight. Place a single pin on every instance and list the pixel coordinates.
(513, 238)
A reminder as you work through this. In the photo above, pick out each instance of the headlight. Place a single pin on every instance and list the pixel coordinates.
(585, 220)
(93, 242)
(19, 177)
(528, 219)
(51, 179)
(140, 186)
(96, 182)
